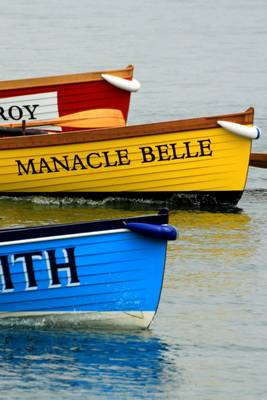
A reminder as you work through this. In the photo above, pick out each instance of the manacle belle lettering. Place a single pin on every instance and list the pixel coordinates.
(168, 152)
(116, 158)
(25, 264)
(92, 160)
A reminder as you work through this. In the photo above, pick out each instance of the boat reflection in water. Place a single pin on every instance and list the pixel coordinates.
(220, 238)
(87, 364)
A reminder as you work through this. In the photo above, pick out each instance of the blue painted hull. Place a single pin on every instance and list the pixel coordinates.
(111, 275)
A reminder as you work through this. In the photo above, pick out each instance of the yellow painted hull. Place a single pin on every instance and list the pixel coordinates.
(150, 165)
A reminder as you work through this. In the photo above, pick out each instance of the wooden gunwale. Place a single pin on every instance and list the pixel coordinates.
(64, 79)
(124, 132)
(258, 160)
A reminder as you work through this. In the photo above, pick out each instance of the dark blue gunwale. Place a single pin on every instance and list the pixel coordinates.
(81, 227)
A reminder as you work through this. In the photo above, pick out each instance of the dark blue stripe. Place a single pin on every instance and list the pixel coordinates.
(81, 227)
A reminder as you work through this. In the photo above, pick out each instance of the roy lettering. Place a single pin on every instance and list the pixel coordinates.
(17, 113)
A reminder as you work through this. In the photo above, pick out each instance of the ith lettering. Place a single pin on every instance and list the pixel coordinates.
(25, 264)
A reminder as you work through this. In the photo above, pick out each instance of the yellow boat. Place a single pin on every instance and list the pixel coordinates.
(199, 160)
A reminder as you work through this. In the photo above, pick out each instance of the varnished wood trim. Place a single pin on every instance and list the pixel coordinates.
(258, 160)
(64, 79)
(125, 132)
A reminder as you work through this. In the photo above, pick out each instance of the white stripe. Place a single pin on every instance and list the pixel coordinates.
(70, 236)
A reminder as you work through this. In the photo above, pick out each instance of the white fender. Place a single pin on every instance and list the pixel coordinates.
(121, 83)
(250, 132)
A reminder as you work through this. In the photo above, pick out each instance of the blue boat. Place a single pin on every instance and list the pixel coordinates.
(105, 272)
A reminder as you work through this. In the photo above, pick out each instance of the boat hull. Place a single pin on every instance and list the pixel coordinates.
(102, 273)
(195, 160)
(50, 98)
(80, 319)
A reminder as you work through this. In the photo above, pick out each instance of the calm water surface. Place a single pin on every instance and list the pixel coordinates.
(208, 340)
